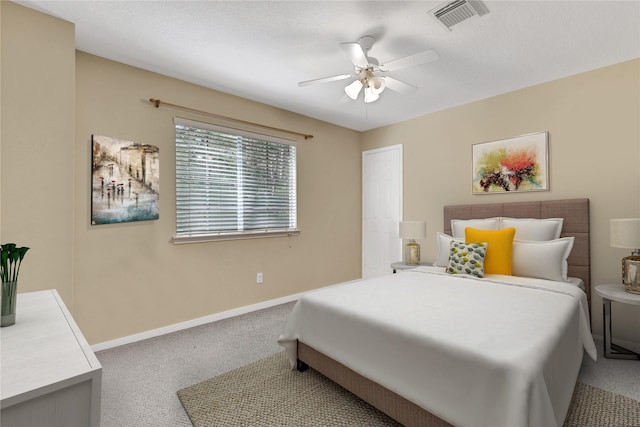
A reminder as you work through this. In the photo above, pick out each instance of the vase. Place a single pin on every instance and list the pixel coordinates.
(8, 302)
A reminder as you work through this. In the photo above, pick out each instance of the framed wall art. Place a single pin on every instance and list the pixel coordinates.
(125, 181)
(511, 165)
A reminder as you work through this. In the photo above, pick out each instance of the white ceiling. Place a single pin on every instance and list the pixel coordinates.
(260, 50)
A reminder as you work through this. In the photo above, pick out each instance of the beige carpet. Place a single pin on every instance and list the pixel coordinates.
(268, 393)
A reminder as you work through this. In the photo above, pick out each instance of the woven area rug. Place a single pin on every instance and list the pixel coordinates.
(268, 393)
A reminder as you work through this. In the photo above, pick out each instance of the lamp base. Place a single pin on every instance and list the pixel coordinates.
(412, 253)
(631, 273)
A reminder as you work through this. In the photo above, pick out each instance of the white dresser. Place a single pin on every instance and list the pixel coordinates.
(49, 376)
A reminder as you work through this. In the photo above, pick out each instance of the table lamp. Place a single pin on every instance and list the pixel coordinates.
(625, 233)
(412, 230)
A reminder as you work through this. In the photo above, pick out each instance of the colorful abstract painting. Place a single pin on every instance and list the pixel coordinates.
(125, 181)
(511, 165)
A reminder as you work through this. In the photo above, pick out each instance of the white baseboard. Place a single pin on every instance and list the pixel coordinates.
(202, 320)
(191, 323)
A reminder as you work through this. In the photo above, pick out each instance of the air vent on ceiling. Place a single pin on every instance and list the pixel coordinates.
(452, 13)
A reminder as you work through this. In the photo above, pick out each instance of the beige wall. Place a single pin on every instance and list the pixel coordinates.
(37, 145)
(124, 279)
(129, 277)
(593, 121)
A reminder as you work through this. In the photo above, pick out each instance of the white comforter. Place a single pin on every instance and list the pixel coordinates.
(499, 351)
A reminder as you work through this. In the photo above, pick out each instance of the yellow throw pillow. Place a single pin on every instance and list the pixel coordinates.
(499, 248)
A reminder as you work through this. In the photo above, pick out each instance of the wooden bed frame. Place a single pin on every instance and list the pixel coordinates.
(576, 223)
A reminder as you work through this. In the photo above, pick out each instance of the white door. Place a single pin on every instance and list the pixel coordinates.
(381, 210)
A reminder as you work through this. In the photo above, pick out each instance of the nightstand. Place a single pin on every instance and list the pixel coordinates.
(402, 266)
(615, 293)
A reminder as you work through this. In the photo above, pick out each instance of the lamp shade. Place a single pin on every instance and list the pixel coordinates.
(353, 89)
(370, 95)
(625, 233)
(377, 85)
(413, 230)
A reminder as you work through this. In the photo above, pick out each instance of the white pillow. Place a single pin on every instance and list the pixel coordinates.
(534, 229)
(444, 248)
(458, 225)
(542, 260)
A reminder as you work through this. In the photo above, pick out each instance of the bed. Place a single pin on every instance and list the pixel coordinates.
(433, 349)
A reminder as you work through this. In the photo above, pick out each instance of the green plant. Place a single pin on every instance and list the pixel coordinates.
(10, 260)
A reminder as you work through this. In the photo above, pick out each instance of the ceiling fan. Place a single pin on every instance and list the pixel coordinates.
(370, 73)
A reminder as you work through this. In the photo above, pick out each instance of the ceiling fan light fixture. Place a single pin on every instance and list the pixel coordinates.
(370, 95)
(352, 90)
(366, 67)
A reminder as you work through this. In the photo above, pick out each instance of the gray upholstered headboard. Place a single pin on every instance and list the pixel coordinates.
(576, 223)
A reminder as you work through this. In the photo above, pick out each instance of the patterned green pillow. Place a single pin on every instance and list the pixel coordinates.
(467, 258)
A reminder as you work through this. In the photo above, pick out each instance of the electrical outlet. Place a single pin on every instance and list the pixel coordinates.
(259, 278)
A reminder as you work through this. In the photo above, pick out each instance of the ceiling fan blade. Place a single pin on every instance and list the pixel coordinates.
(326, 79)
(398, 86)
(356, 54)
(411, 60)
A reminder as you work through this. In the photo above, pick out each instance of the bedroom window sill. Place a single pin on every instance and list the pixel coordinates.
(202, 238)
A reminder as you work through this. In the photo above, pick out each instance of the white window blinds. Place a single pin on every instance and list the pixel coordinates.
(231, 182)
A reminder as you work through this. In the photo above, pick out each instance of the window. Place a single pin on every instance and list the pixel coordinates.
(232, 184)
